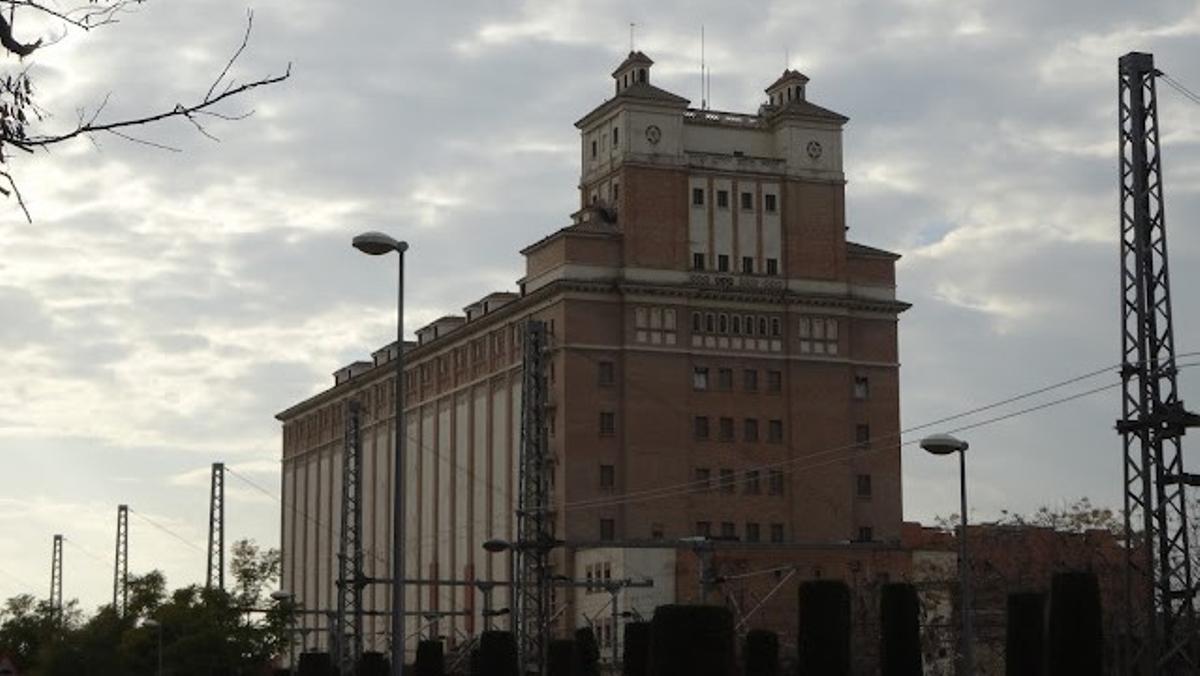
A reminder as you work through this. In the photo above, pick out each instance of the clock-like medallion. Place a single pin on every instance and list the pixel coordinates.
(814, 149)
(653, 134)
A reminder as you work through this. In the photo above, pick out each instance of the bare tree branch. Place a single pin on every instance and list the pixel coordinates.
(236, 54)
(16, 192)
(11, 43)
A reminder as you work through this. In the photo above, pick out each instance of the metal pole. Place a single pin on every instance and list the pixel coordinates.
(399, 485)
(968, 661)
(614, 590)
(486, 589)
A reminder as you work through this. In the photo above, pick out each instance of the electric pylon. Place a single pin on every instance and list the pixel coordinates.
(56, 581)
(1158, 583)
(121, 563)
(216, 529)
(349, 631)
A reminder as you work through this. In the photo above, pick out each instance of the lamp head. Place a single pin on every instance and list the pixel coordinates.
(496, 546)
(282, 595)
(943, 444)
(377, 243)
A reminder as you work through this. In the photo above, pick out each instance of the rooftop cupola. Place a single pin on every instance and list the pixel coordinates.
(789, 87)
(634, 69)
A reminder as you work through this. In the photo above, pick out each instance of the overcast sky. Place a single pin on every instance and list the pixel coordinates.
(164, 306)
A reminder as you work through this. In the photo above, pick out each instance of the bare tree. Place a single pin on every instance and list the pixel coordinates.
(23, 121)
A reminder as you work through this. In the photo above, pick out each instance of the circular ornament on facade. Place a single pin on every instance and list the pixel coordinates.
(653, 134)
(814, 149)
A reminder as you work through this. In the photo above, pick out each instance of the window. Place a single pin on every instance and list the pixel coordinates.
(726, 429)
(608, 476)
(769, 203)
(818, 335)
(727, 482)
(722, 323)
(697, 322)
(862, 436)
(863, 485)
(697, 194)
(735, 324)
(752, 484)
(862, 387)
(775, 482)
(772, 266)
(750, 429)
(616, 136)
(728, 530)
(605, 373)
(776, 533)
(700, 427)
(593, 149)
(703, 479)
(656, 531)
(704, 528)
(608, 423)
(752, 532)
(722, 263)
(725, 379)
(710, 322)
(699, 378)
(750, 380)
(616, 191)
(722, 199)
(747, 200)
(774, 381)
(776, 329)
(762, 326)
(866, 534)
(749, 325)
(608, 529)
(775, 431)
(697, 261)
(747, 265)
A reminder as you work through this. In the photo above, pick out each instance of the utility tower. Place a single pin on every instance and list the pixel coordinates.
(121, 563)
(535, 521)
(56, 582)
(350, 583)
(1158, 586)
(216, 529)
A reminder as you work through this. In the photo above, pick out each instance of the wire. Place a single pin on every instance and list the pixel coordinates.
(166, 530)
(1179, 87)
(24, 584)
(80, 547)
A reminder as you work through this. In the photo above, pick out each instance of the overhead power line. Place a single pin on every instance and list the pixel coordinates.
(168, 531)
(1179, 87)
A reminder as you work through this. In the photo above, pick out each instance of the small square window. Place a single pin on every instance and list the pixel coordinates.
(703, 479)
(862, 387)
(774, 381)
(725, 379)
(608, 422)
(752, 534)
(728, 530)
(752, 484)
(772, 266)
(608, 476)
(769, 203)
(750, 380)
(722, 263)
(775, 482)
(747, 265)
(697, 195)
(608, 529)
(722, 199)
(728, 482)
(862, 436)
(697, 261)
(776, 533)
(750, 429)
(605, 373)
(747, 200)
(700, 427)
(726, 429)
(863, 485)
(775, 431)
(699, 378)
(866, 534)
(704, 529)
(656, 531)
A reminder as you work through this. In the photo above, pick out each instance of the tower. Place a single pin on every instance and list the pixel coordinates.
(215, 574)
(121, 563)
(56, 580)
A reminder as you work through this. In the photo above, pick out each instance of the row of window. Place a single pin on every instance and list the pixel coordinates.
(616, 140)
(736, 324)
(728, 531)
(727, 481)
(700, 262)
(726, 431)
(724, 381)
(770, 201)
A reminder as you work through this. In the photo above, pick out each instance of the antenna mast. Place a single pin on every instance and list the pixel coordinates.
(216, 529)
(703, 96)
(56, 581)
(121, 563)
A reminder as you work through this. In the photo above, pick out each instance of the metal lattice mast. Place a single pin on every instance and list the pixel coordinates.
(535, 521)
(56, 581)
(216, 529)
(1159, 590)
(121, 563)
(350, 553)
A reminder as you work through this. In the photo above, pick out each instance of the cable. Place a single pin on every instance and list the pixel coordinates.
(166, 530)
(1179, 87)
(24, 584)
(80, 547)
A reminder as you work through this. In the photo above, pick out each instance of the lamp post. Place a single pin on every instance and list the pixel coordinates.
(282, 597)
(944, 444)
(378, 244)
(155, 624)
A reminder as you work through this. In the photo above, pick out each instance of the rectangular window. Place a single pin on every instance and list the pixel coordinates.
(725, 379)
(616, 136)
(776, 328)
(608, 423)
(863, 485)
(722, 199)
(697, 322)
(700, 427)
(735, 324)
(608, 529)
(772, 266)
(616, 191)
(862, 387)
(722, 263)
(775, 431)
(593, 149)
(726, 429)
(608, 476)
(862, 436)
(769, 203)
(699, 378)
(775, 482)
(697, 197)
(752, 532)
(774, 381)
(776, 533)
(866, 534)
(747, 265)
(697, 261)
(703, 479)
(728, 483)
(750, 380)
(710, 322)
(750, 429)
(728, 530)
(747, 200)
(722, 323)
(752, 484)
(605, 373)
(704, 528)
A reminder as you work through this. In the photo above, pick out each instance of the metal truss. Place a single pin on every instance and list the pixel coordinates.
(215, 575)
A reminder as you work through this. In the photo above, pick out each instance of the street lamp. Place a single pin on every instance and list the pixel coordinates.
(155, 624)
(378, 244)
(944, 444)
(281, 596)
